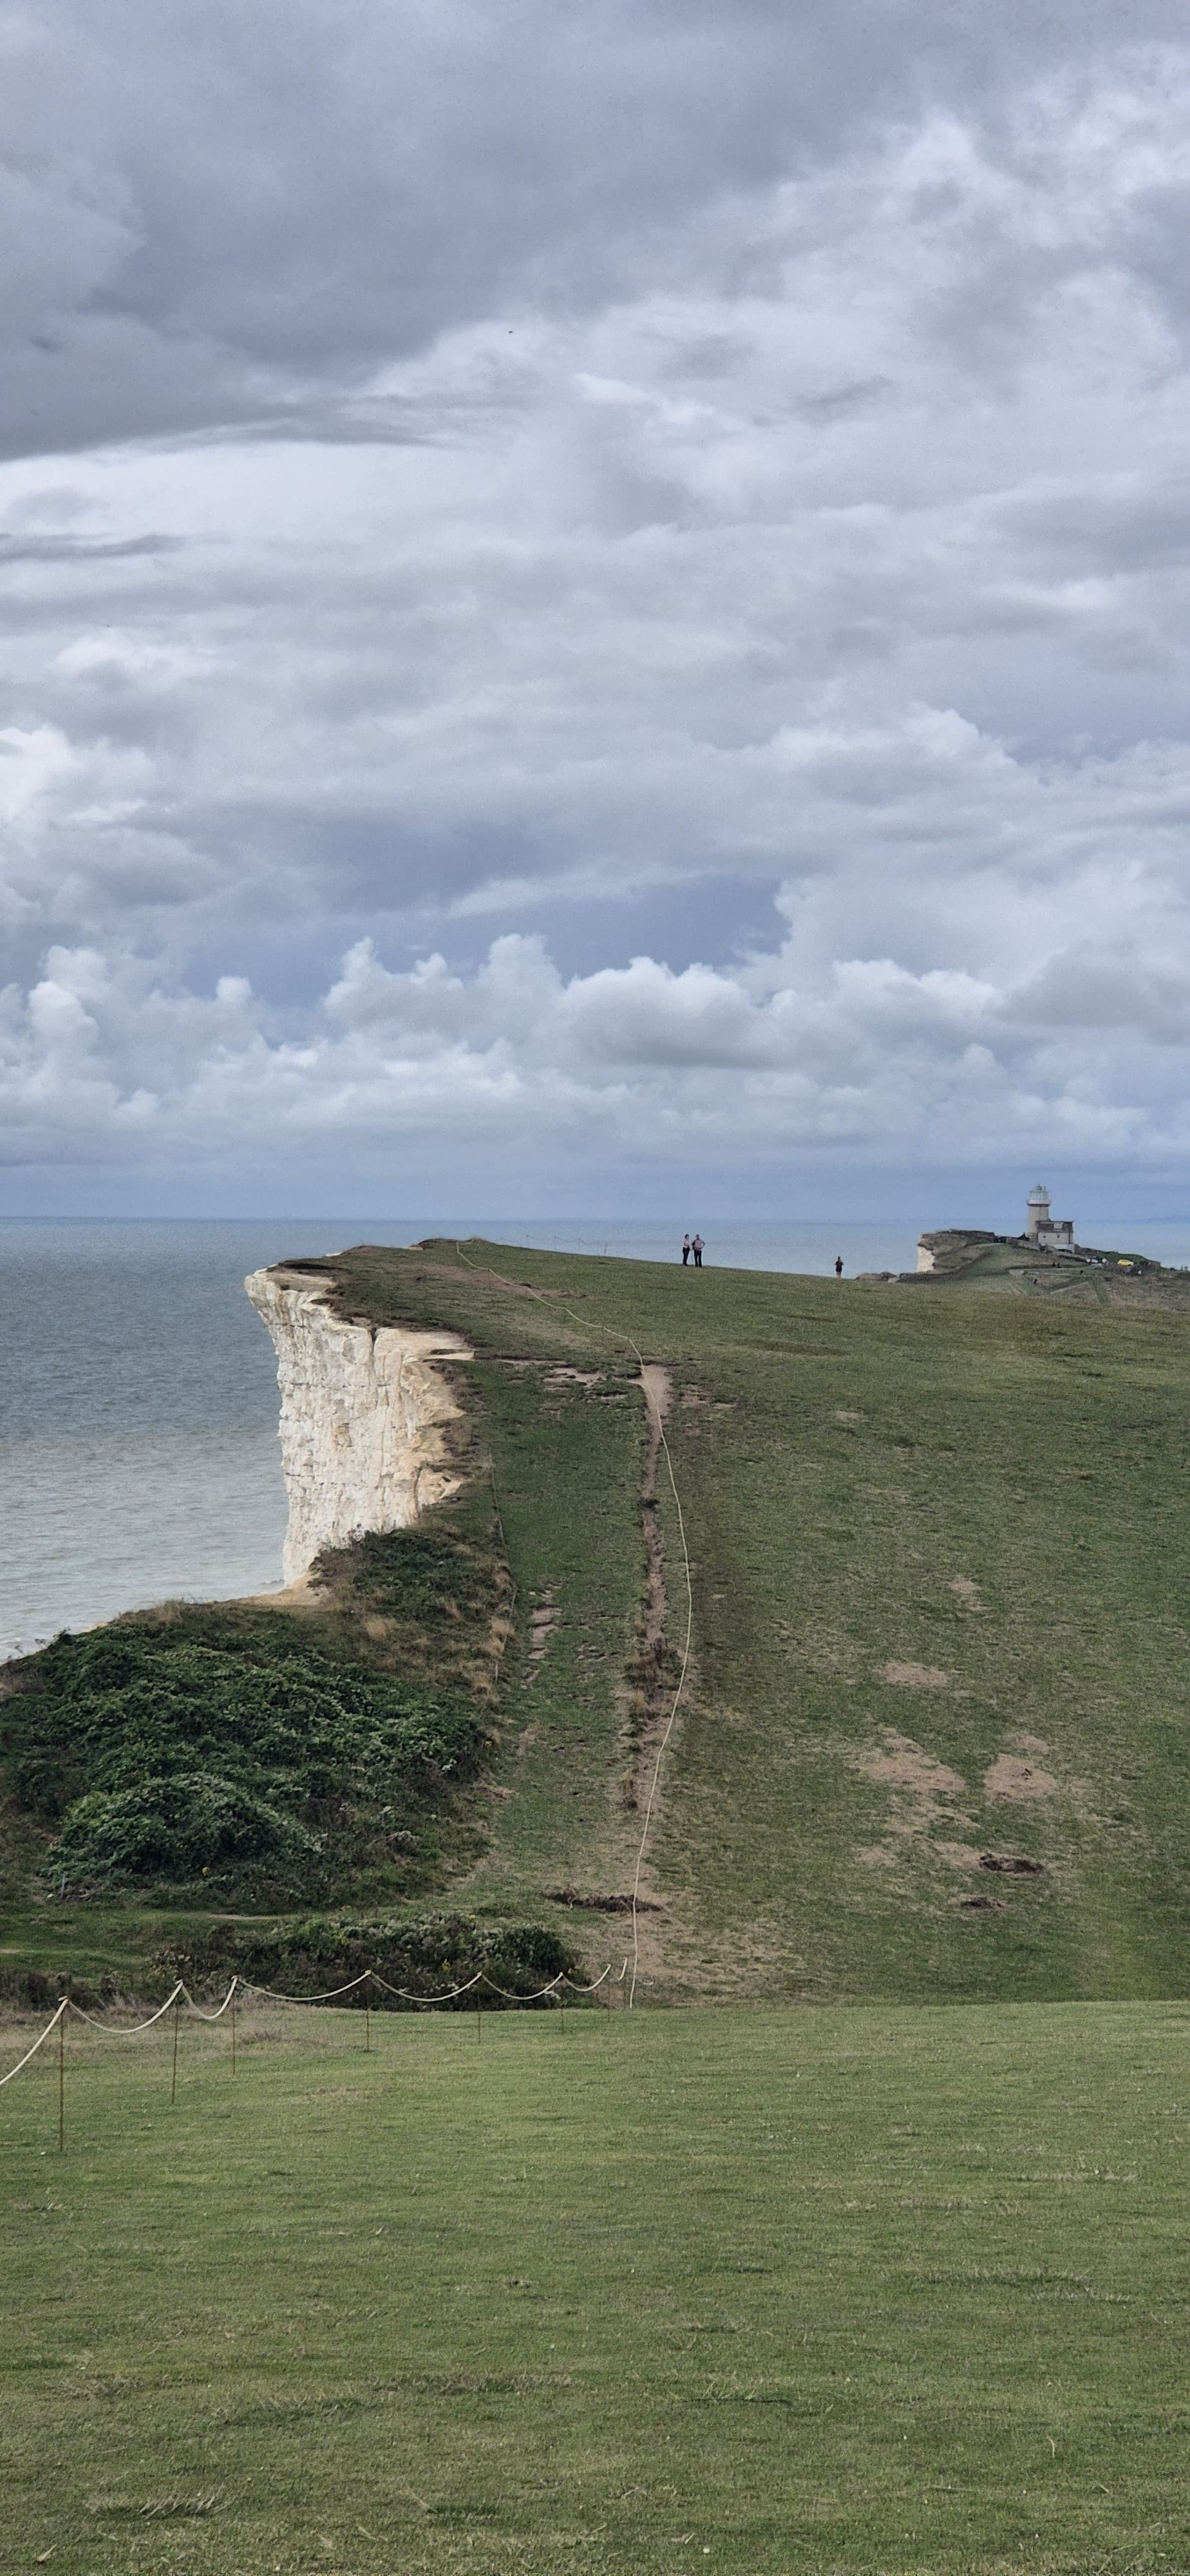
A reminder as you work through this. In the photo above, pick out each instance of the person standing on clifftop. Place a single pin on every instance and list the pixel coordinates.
(685, 1250)
(697, 1250)
(839, 1267)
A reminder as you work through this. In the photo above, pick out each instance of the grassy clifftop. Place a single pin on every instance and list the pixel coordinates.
(934, 1742)
(1011, 1265)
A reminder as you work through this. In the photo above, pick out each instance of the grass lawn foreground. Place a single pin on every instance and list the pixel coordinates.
(870, 2258)
(768, 2289)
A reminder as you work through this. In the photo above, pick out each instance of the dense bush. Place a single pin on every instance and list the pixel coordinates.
(174, 1827)
(425, 1956)
(426, 1575)
(41, 1990)
(161, 1757)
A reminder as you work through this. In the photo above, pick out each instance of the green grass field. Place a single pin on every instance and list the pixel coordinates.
(768, 2290)
(900, 2288)
(940, 1612)
(935, 1739)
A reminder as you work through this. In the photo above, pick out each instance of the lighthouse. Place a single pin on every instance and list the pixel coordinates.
(1039, 1212)
(1049, 1233)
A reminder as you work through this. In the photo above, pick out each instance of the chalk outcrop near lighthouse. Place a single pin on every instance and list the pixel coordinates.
(365, 1415)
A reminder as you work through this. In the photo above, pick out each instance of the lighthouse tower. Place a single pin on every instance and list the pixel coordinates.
(1039, 1213)
(1050, 1233)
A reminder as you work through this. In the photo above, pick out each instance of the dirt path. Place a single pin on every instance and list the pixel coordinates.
(652, 1683)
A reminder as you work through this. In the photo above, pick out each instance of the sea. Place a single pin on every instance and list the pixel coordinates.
(138, 1395)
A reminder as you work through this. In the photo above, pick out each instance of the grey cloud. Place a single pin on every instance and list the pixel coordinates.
(221, 214)
(1086, 987)
(603, 457)
(1117, 529)
(838, 400)
(78, 550)
(218, 210)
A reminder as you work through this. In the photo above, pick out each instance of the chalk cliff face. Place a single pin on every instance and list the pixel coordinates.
(362, 1417)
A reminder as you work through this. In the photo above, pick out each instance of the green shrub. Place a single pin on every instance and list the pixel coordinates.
(174, 1827)
(38, 1990)
(254, 1762)
(425, 1955)
(424, 1574)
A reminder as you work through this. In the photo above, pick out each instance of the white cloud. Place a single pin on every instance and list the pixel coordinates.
(791, 507)
(665, 1069)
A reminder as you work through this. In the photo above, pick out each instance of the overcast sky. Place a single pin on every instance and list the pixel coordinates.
(597, 604)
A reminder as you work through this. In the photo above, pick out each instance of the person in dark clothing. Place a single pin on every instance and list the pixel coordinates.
(697, 1248)
(685, 1250)
(839, 1267)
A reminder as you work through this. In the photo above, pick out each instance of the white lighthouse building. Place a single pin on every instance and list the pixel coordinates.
(1050, 1233)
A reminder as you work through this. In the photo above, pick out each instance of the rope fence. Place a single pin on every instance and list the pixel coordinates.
(246, 1990)
(22, 2062)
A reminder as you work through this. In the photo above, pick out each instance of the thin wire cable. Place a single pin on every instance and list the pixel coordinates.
(243, 1985)
(196, 2009)
(661, 1749)
(481, 1978)
(110, 2030)
(328, 1997)
(587, 1323)
(38, 2043)
(447, 1995)
(511, 1576)
(510, 1997)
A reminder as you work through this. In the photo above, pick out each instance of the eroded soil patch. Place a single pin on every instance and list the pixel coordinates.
(904, 1765)
(924, 1795)
(1016, 1781)
(542, 1623)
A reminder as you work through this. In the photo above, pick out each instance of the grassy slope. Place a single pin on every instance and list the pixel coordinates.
(845, 1456)
(772, 2291)
(899, 2290)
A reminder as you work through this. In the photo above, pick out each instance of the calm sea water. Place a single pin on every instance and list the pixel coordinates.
(138, 1395)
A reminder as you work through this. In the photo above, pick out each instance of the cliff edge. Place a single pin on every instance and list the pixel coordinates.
(363, 1417)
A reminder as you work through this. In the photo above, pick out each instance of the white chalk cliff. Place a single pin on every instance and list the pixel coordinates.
(363, 1416)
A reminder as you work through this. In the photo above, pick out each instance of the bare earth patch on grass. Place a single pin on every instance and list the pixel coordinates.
(923, 1794)
(542, 1623)
(1012, 1779)
(904, 1765)
(915, 1677)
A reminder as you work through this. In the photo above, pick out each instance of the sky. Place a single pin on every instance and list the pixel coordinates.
(596, 606)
